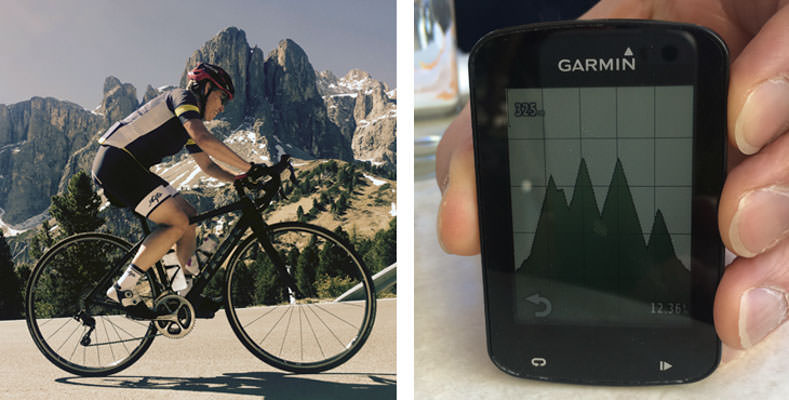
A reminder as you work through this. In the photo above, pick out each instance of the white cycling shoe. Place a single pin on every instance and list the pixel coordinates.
(126, 298)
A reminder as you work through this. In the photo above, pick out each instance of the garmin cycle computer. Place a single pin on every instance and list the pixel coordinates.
(600, 159)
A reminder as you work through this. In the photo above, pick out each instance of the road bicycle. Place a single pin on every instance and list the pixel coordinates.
(269, 299)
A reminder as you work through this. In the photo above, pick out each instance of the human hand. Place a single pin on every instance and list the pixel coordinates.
(752, 299)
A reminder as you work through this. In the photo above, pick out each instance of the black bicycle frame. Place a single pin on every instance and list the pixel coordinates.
(250, 218)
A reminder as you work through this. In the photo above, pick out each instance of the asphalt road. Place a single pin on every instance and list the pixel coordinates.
(209, 363)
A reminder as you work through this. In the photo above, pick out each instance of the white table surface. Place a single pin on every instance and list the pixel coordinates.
(450, 355)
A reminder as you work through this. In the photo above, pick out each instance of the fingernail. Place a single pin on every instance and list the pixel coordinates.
(761, 311)
(764, 116)
(438, 226)
(761, 220)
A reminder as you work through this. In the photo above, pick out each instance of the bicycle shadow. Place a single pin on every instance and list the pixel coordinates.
(270, 385)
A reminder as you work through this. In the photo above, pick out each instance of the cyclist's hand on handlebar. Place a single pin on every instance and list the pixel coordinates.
(254, 172)
(258, 170)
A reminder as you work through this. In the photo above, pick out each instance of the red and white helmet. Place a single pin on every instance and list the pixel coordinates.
(215, 74)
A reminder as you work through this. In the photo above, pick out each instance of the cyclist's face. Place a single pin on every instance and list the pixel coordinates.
(214, 104)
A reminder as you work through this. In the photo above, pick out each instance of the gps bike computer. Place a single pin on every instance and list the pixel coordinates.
(599, 148)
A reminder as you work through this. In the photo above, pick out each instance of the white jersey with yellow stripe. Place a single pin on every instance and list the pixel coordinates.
(155, 130)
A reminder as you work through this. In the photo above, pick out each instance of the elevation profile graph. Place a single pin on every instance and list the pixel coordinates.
(597, 263)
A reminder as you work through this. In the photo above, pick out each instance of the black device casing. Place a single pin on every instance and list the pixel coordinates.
(607, 355)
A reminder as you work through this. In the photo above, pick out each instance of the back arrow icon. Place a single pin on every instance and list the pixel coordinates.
(537, 299)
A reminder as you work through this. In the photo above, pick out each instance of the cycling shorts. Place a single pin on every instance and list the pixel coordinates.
(127, 183)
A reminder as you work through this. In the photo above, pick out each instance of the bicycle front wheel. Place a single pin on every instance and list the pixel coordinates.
(316, 333)
(84, 334)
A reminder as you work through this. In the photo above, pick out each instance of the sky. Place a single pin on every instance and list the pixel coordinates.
(65, 49)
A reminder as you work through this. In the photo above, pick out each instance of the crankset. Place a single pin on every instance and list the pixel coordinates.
(177, 316)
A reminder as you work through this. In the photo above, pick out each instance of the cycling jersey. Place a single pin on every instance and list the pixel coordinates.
(134, 144)
(156, 129)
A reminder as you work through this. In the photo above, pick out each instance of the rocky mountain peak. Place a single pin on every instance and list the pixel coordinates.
(120, 99)
(289, 74)
(110, 83)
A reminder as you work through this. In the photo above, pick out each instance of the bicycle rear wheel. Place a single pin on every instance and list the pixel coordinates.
(81, 335)
(308, 335)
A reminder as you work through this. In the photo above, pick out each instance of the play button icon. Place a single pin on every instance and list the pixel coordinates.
(664, 366)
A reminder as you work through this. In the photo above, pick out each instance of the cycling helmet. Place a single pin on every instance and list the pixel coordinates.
(215, 74)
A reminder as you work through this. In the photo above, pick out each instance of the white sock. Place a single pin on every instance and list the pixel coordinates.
(129, 278)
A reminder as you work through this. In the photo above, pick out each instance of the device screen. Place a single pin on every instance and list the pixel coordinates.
(601, 189)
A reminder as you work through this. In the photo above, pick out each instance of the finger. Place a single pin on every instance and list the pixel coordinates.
(759, 89)
(458, 132)
(753, 215)
(751, 300)
(458, 230)
(635, 9)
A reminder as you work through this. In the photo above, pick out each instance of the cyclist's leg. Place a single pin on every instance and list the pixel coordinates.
(172, 216)
(185, 246)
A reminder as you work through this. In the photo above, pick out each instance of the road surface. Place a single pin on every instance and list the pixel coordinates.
(209, 363)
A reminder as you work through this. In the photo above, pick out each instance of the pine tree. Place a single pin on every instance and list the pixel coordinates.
(41, 241)
(10, 287)
(300, 214)
(384, 249)
(77, 210)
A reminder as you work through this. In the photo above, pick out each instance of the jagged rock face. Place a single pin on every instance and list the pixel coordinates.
(150, 93)
(339, 109)
(37, 137)
(364, 111)
(297, 108)
(289, 75)
(120, 99)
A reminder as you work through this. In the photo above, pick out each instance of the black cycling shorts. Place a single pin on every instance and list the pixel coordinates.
(127, 183)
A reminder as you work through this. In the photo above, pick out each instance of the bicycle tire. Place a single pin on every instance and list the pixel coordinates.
(314, 314)
(63, 276)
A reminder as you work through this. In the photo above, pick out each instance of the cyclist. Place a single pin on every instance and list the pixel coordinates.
(160, 128)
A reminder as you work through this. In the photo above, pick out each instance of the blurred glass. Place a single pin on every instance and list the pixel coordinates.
(435, 62)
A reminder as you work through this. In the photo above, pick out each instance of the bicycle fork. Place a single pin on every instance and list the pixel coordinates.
(260, 230)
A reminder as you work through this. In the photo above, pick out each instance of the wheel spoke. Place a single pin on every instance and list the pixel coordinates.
(326, 326)
(69, 337)
(273, 326)
(104, 324)
(335, 316)
(58, 330)
(301, 337)
(287, 328)
(117, 333)
(315, 335)
(258, 318)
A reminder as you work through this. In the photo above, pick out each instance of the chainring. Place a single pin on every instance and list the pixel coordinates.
(179, 316)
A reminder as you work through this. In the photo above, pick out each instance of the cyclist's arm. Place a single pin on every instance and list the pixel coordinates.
(211, 168)
(213, 146)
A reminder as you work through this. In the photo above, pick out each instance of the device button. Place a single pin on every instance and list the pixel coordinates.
(664, 365)
(537, 299)
(539, 362)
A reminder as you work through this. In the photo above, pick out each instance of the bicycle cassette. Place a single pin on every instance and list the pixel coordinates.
(177, 316)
